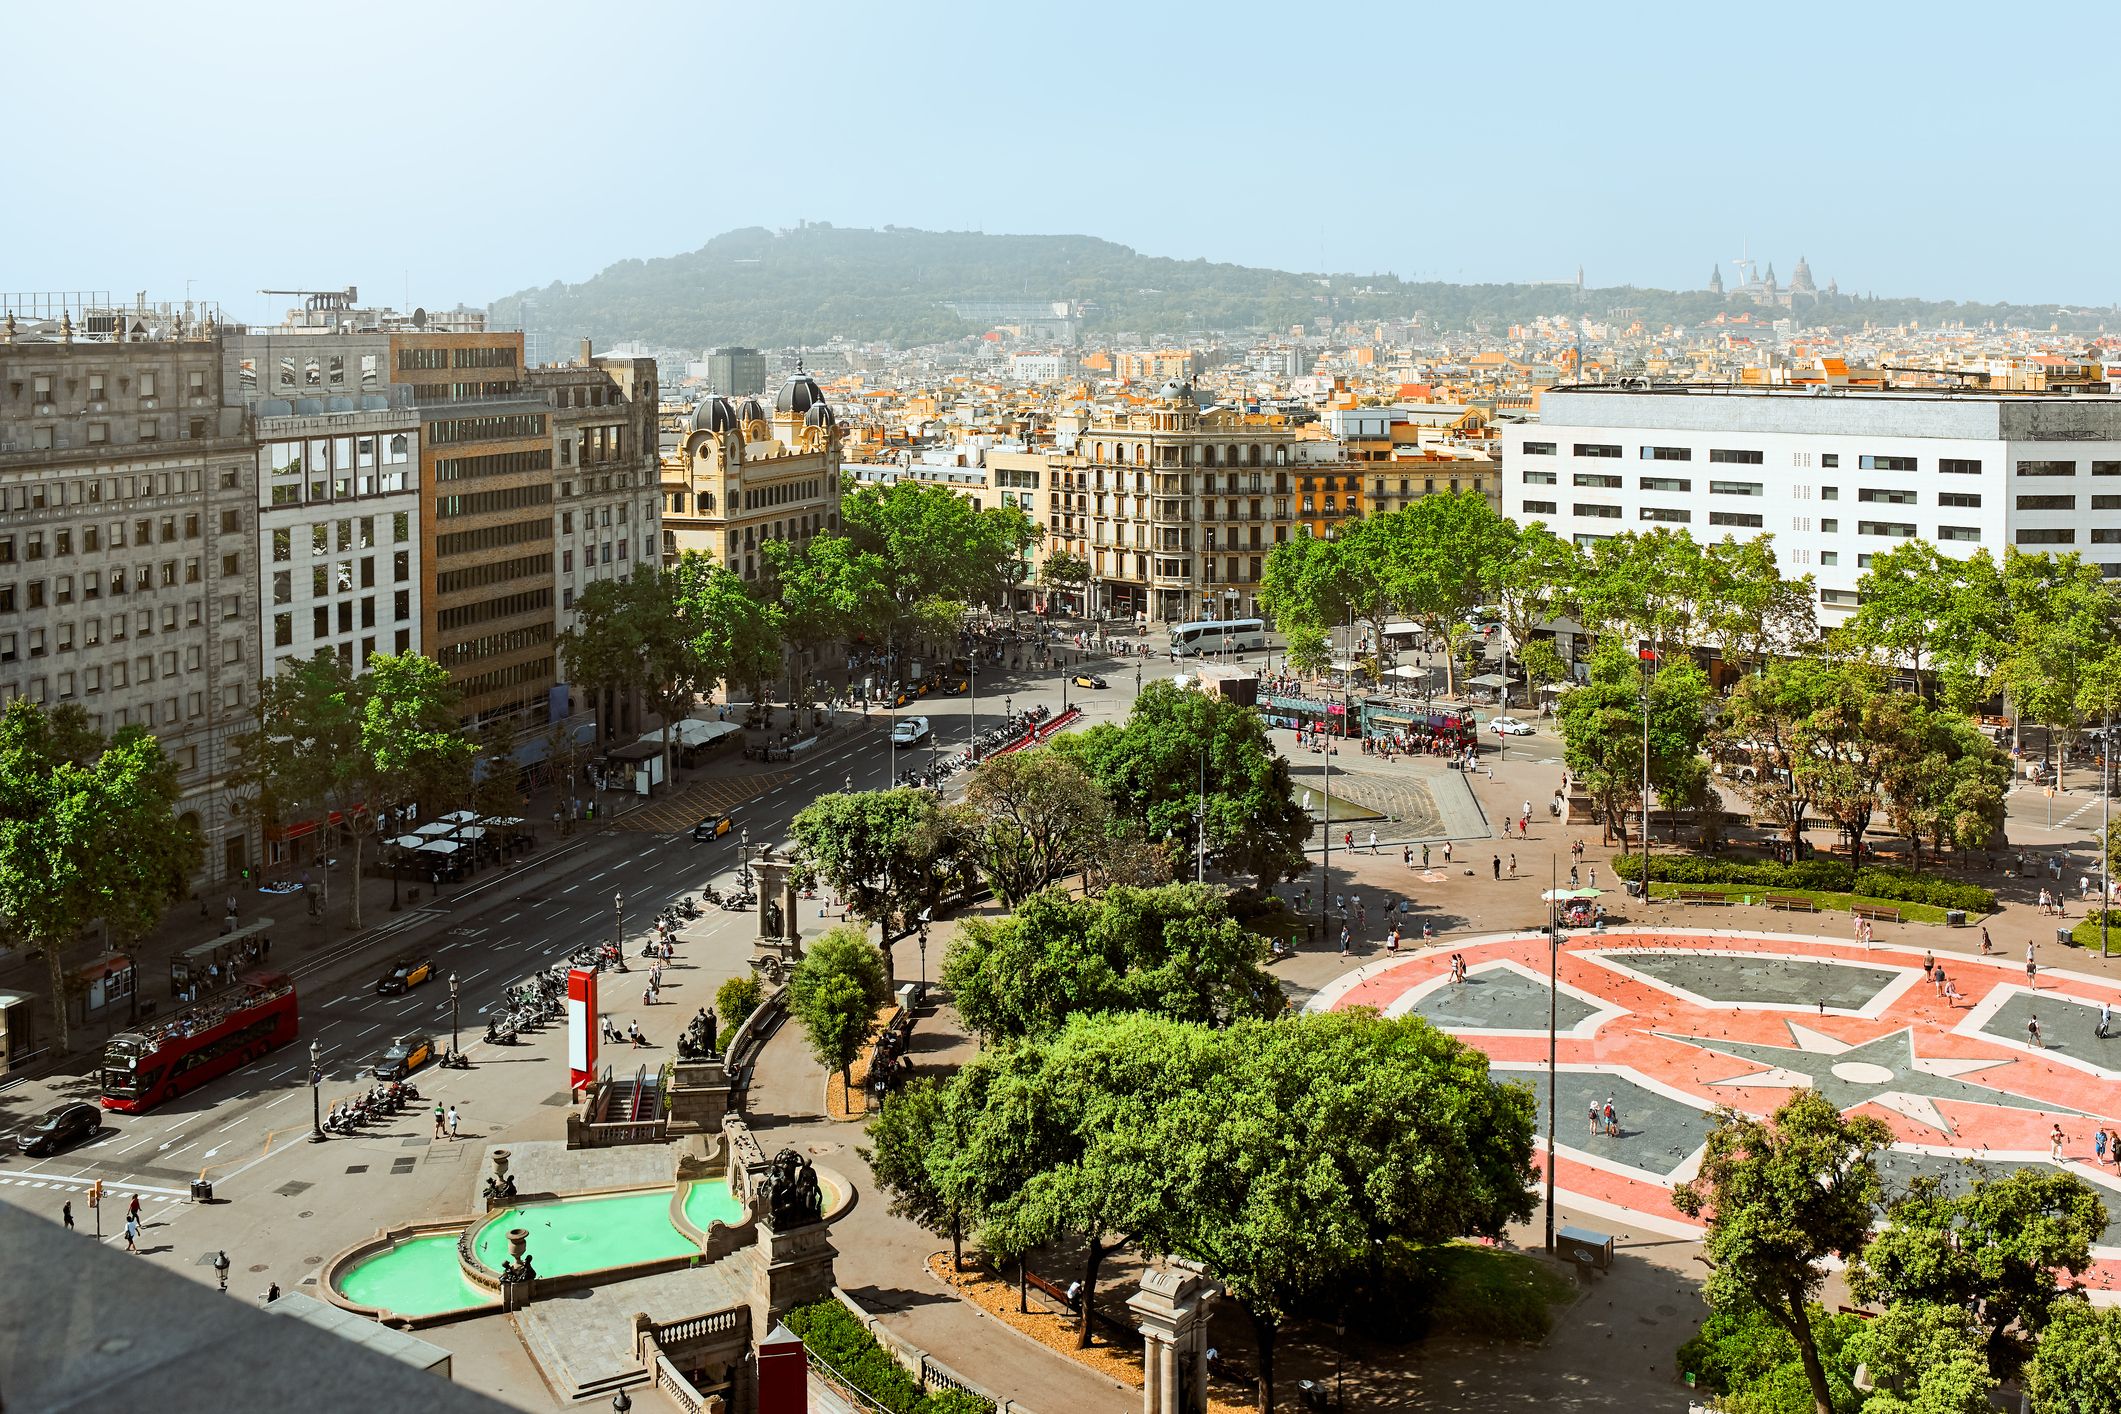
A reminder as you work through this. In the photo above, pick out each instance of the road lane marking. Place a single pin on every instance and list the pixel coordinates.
(228, 1126)
(570, 888)
(510, 918)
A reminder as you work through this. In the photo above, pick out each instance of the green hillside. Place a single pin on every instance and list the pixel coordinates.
(809, 285)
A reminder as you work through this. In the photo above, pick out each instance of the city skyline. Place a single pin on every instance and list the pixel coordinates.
(1644, 154)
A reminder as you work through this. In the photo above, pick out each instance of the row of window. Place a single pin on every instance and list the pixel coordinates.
(488, 645)
(345, 651)
(43, 494)
(144, 581)
(493, 464)
(538, 670)
(589, 554)
(39, 690)
(760, 498)
(321, 617)
(93, 539)
(493, 537)
(40, 385)
(498, 572)
(347, 532)
(425, 393)
(1953, 466)
(506, 498)
(123, 672)
(506, 606)
(494, 428)
(326, 580)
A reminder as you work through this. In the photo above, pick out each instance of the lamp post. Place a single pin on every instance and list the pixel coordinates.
(2106, 853)
(221, 1265)
(924, 952)
(620, 1403)
(394, 865)
(316, 1093)
(1649, 656)
(456, 1042)
(1553, 1004)
(1200, 872)
(618, 922)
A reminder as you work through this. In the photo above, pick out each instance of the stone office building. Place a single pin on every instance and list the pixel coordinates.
(128, 551)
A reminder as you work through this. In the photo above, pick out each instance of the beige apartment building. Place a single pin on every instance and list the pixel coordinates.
(128, 561)
(740, 476)
(1175, 509)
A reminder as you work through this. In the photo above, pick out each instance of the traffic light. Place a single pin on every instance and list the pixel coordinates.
(95, 1194)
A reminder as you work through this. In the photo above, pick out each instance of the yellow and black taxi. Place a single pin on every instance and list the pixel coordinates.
(405, 974)
(404, 1055)
(1088, 680)
(712, 828)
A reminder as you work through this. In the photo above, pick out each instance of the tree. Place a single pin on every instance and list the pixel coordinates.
(735, 634)
(1648, 588)
(1995, 1250)
(1534, 584)
(1602, 733)
(1755, 615)
(1924, 1358)
(1309, 653)
(1763, 720)
(1542, 665)
(835, 993)
(1029, 818)
(918, 1154)
(1173, 951)
(1151, 770)
(497, 790)
(1064, 570)
(1856, 734)
(409, 730)
(885, 852)
(88, 830)
(1781, 1199)
(931, 543)
(304, 756)
(1947, 784)
(2078, 1366)
(1922, 609)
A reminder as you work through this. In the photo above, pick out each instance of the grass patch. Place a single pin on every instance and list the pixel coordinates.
(2085, 934)
(1486, 1293)
(1828, 901)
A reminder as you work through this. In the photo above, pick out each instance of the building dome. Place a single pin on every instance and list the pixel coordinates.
(750, 411)
(799, 394)
(1176, 391)
(713, 415)
(820, 415)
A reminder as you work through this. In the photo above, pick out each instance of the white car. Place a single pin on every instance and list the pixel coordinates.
(1510, 726)
(909, 731)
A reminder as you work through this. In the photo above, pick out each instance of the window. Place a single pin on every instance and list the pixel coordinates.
(1735, 488)
(1847, 597)
(1667, 514)
(1829, 557)
(1737, 518)
(2106, 503)
(1895, 529)
(1959, 532)
(1878, 463)
(1531, 478)
(320, 621)
(1959, 466)
(283, 587)
(1539, 449)
(1829, 526)
(1739, 457)
(1667, 483)
(231, 564)
(1885, 498)
(2106, 468)
(1829, 459)
(1586, 508)
(2107, 537)
(1969, 500)
(1541, 508)
(2047, 503)
(1591, 478)
(1667, 454)
(1597, 449)
(1830, 493)
(2047, 468)
(2047, 537)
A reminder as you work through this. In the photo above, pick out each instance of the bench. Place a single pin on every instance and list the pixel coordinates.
(1791, 902)
(1699, 896)
(1876, 915)
(1053, 1289)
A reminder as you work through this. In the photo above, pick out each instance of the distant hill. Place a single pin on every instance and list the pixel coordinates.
(806, 286)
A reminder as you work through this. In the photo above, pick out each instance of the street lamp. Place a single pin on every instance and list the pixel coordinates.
(620, 1403)
(850, 783)
(316, 1092)
(221, 1265)
(456, 1042)
(394, 868)
(1553, 1005)
(618, 922)
(924, 952)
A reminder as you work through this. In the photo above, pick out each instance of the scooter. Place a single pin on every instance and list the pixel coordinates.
(455, 1060)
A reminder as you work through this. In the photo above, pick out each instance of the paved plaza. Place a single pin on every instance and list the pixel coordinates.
(1667, 1026)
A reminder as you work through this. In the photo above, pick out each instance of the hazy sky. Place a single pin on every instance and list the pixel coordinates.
(463, 150)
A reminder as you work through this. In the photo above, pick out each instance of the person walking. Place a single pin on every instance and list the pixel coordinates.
(1406, 855)
(1513, 866)
(1498, 868)
(66, 1215)
(132, 1233)
(1343, 940)
(1424, 856)
(1597, 1120)
(441, 1120)
(2054, 1144)
(2106, 1020)
(2032, 969)
(452, 1121)
(1612, 1119)
(2098, 1155)
(132, 1209)
(1447, 854)
(1987, 947)
(1574, 881)
(1938, 977)
(1373, 841)
(2032, 1033)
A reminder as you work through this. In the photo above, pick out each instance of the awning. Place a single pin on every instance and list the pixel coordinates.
(407, 841)
(1488, 680)
(471, 832)
(433, 828)
(440, 847)
(458, 817)
(691, 732)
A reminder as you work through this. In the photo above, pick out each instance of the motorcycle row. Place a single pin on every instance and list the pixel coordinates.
(533, 1004)
(989, 742)
(380, 1101)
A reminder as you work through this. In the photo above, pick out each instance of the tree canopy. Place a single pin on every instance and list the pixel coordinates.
(835, 993)
(1029, 818)
(887, 853)
(1601, 724)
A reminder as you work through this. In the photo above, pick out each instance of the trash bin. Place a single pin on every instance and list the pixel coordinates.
(1955, 918)
(2062, 935)
(202, 1191)
(1634, 888)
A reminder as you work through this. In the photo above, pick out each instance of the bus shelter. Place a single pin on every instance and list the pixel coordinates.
(210, 966)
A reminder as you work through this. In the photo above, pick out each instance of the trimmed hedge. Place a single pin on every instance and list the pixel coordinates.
(831, 1332)
(1824, 875)
(736, 999)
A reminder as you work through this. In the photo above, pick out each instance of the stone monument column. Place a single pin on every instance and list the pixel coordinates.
(1171, 1310)
(776, 886)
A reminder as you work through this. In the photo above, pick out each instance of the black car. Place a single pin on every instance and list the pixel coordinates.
(61, 1127)
(711, 828)
(404, 1055)
(404, 975)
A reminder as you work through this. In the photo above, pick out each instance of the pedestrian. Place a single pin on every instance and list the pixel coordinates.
(1524, 825)
(132, 1233)
(1576, 851)
(1951, 994)
(1594, 876)
(1424, 856)
(1597, 1120)
(2054, 1143)
(1343, 940)
(1498, 867)
(2106, 1019)
(1392, 942)
(2032, 1032)
(441, 1119)
(1929, 964)
(66, 1215)
(2098, 1156)
(1513, 866)
(1362, 918)
(1987, 947)
(452, 1121)
(1447, 853)
(1373, 841)
(1573, 880)
(2032, 969)
(1347, 840)
(1406, 855)
(132, 1209)
(1612, 1119)
(1939, 979)
(1340, 903)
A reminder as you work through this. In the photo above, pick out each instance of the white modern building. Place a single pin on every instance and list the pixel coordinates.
(1835, 475)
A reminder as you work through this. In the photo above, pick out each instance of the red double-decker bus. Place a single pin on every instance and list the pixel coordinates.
(205, 1040)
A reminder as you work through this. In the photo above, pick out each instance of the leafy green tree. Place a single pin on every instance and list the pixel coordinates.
(1997, 1250)
(734, 1000)
(1542, 665)
(735, 633)
(304, 756)
(2063, 620)
(88, 830)
(1151, 769)
(1759, 732)
(887, 853)
(1755, 615)
(1948, 784)
(1064, 570)
(1310, 652)
(918, 1154)
(1781, 1198)
(1601, 725)
(2078, 1366)
(1649, 588)
(1924, 1358)
(1028, 819)
(1535, 583)
(1173, 951)
(835, 993)
(828, 590)
(931, 543)
(409, 730)
(1858, 733)
(1932, 614)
